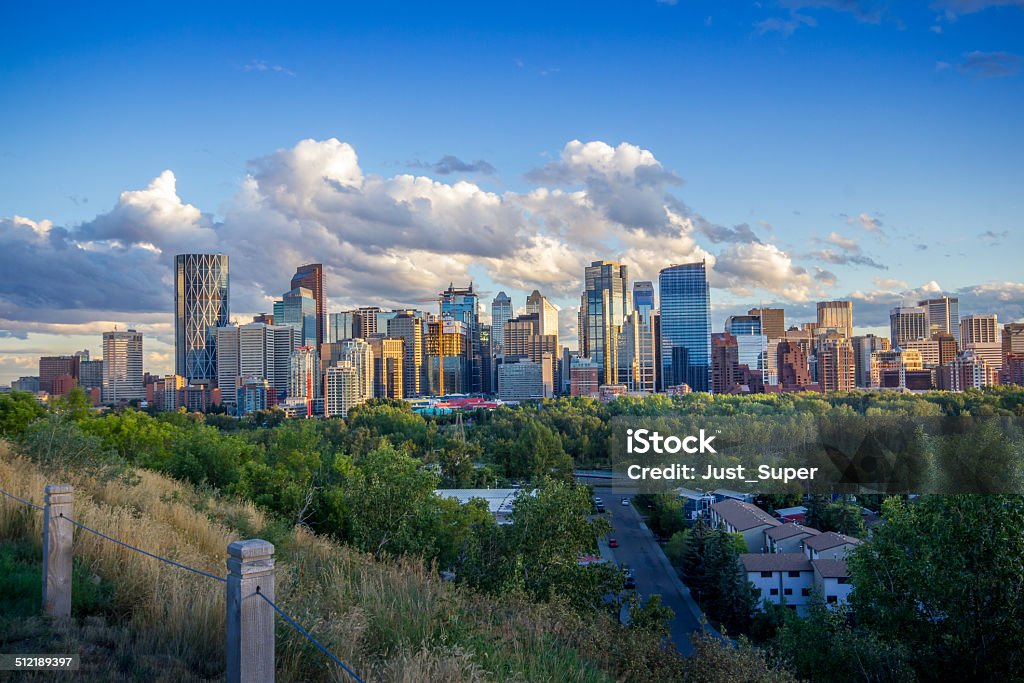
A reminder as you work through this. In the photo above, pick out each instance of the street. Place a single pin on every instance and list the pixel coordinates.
(654, 576)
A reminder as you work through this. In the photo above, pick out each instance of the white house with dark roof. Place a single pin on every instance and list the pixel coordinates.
(780, 578)
(743, 518)
(787, 538)
(832, 581)
(829, 546)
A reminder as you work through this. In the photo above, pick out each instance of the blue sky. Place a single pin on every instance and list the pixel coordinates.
(872, 150)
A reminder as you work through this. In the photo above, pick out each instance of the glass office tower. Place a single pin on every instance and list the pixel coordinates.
(603, 309)
(685, 326)
(200, 307)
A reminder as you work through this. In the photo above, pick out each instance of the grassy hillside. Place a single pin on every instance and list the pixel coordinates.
(139, 619)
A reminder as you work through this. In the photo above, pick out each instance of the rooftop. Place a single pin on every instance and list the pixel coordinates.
(742, 515)
(830, 539)
(831, 569)
(775, 562)
(778, 533)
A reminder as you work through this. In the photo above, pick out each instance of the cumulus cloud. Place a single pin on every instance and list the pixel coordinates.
(742, 267)
(390, 241)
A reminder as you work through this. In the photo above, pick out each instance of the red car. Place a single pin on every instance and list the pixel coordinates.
(613, 543)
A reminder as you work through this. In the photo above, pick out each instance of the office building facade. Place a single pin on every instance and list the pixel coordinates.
(201, 305)
(685, 326)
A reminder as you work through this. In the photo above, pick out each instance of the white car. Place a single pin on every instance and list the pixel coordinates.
(625, 501)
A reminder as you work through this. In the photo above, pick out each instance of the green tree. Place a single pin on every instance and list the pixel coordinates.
(391, 504)
(943, 576)
(824, 646)
(18, 409)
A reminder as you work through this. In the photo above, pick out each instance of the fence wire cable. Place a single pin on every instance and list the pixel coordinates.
(311, 638)
(21, 500)
(145, 552)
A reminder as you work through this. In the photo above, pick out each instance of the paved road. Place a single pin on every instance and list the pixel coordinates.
(653, 574)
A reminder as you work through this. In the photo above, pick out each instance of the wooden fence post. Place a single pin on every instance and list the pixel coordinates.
(57, 535)
(250, 627)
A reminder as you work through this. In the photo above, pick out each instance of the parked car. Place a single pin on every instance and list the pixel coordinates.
(625, 501)
(630, 581)
(613, 542)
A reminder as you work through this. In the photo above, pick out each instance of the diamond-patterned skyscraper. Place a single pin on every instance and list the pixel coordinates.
(200, 307)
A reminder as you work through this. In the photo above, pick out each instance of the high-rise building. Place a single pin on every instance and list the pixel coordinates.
(358, 353)
(947, 346)
(547, 314)
(583, 374)
(409, 328)
(1012, 338)
(889, 369)
(253, 393)
(201, 294)
(255, 350)
(1013, 369)
(51, 367)
(388, 360)
(837, 315)
(638, 351)
(90, 374)
(773, 321)
(725, 362)
(980, 334)
(343, 325)
(501, 312)
(929, 350)
(297, 309)
(907, 323)
(967, 371)
(122, 367)
(685, 326)
(445, 352)
(863, 347)
(366, 321)
(604, 305)
(463, 305)
(836, 366)
(304, 380)
(311, 277)
(791, 364)
(343, 390)
(520, 379)
(943, 314)
(28, 383)
(751, 345)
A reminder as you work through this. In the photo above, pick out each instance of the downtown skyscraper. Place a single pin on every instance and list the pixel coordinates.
(604, 305)
(685, 326)
(311, 277)
(201, 293)
(501, 312)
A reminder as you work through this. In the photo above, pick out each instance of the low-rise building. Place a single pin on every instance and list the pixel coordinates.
(829, 546)
(780, 578)
(499, 501)
(832, 581)
(787, 538)
(747, 519)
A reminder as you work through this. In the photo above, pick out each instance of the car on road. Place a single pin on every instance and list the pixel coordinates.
(630, 581)
(625, 501)
(613, 542)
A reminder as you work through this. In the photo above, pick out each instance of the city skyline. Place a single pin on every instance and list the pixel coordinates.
(808, 151)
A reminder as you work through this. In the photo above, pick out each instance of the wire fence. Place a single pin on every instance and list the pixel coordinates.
(311, 638)
(284, 615)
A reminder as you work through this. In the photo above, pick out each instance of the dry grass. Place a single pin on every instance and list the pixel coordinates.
(390, 621)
